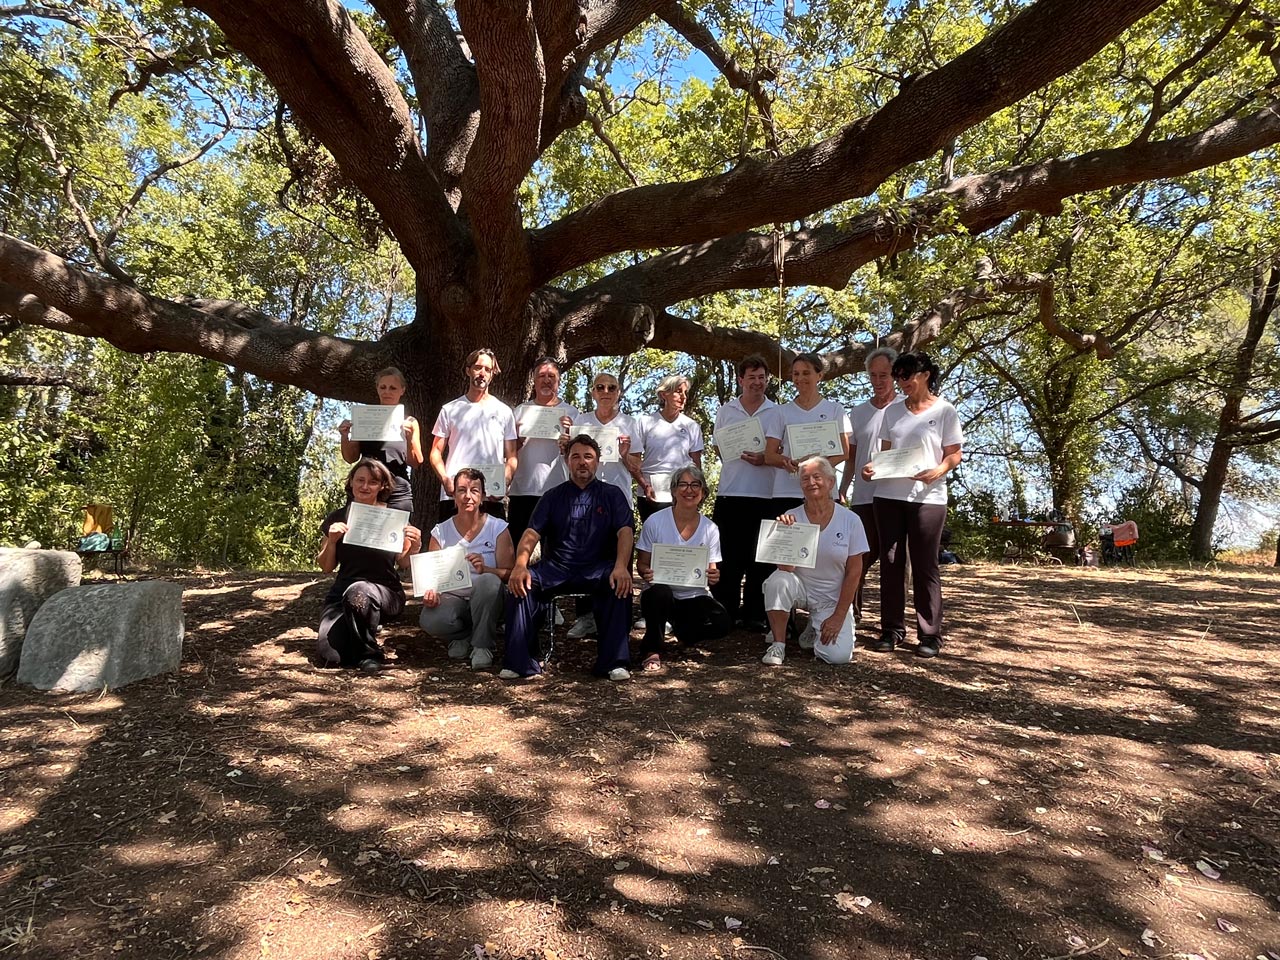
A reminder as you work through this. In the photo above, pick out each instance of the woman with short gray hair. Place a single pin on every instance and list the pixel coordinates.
(694, 614)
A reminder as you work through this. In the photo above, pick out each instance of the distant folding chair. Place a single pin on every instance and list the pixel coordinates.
(1120, 543)
(98, 537)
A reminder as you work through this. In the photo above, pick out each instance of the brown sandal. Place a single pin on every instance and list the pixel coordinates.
(652, 664)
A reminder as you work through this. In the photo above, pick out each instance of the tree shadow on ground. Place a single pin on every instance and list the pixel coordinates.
(1049, 784)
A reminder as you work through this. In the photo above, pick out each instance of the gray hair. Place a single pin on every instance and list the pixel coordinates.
(824, 466)
(888, 353)
(694, 472)
(670, 382)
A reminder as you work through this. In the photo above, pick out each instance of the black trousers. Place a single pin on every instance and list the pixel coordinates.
(647, 508)
(519, 513)
(693, 619)
(738, 519)
(867, 514)
(349, 624)
(914, 528)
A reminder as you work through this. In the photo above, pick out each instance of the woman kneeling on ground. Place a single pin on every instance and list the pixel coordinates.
(367, 590)
(826, 588)
(693, 613)
(468, 619)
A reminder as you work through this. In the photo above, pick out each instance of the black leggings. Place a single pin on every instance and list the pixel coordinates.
(349, 624)
(914, 528)
(693, 619)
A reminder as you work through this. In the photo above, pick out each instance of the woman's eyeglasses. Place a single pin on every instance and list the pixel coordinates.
(904, 376)
(689, 485)
(607, 387)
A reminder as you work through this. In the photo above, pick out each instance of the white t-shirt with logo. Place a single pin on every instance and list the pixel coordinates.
(661, 528)
(539, 466)
(866, 418)
(614, 473)
(474, 432)
(787, 485)
(843, 538)
(935, 428)
(668, 445)
(737, 477)
(485, 543)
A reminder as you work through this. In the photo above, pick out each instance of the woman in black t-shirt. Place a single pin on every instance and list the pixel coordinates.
(398, 456)
(367, 589)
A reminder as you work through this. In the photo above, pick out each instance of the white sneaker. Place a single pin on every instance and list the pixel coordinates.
(506, 674)
(481, 659)
(641, 624)
(808, 637)
(619, 673)
(668, 629)
(559, 616)
(584, 626)
(774, 656)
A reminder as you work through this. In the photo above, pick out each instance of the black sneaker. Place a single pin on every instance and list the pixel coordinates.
(928, 647)
(370, 666)
(886, 644)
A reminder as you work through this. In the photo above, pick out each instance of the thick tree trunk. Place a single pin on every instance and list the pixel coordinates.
(1212, 483)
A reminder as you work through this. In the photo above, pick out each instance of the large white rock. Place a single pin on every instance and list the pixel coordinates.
(27, 579)
(105, 635)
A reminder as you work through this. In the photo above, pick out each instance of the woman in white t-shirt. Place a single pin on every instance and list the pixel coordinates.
(467, 619)
(911, 511)
(808, 407)
(671, 440)
(693, 613)
(826, 588)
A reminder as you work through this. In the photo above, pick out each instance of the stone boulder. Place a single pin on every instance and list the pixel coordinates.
(27, 579)
(104, 635)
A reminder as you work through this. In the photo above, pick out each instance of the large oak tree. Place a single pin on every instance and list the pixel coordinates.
(437, 117)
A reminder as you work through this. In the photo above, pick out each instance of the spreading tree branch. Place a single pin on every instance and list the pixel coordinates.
(334, 81)
(1045, 41)
(43, 289)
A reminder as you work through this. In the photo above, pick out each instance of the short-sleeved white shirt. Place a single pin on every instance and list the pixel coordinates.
(661, 528)
(843, 538)
(539, 466)
(667, 445)
(937, 427)
(787, 485)
(737, 477)
(866, 418)
(615, 473)
(474, 433)
(485, 543)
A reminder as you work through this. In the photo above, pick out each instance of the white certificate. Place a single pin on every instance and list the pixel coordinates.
(376, 422)
(495, 478)
(661, 483)
(680, 566)
(440, 570)
(606, 436)
(379, 528)
(735, 439)
(904, 462)
(541, 423)
(806, 439)
(794, 546)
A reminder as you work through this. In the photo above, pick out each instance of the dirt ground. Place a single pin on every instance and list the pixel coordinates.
(1089, 769)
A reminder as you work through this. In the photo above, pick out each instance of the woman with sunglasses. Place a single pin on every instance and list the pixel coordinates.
(605, 393)
(694, 614)
(910, 511)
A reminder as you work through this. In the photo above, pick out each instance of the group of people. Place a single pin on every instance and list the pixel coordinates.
(567, 523)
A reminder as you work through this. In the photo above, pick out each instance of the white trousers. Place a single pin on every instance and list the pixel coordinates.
(785, 591)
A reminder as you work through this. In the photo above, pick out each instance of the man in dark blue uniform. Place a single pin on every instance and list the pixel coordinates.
(587, 531)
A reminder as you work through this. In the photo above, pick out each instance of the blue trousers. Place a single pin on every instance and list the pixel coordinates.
(525, 616)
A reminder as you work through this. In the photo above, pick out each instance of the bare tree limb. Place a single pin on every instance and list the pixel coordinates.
(1041, 43)
(43, 289)
(827, 255)
(45, 377)
(324, 68)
